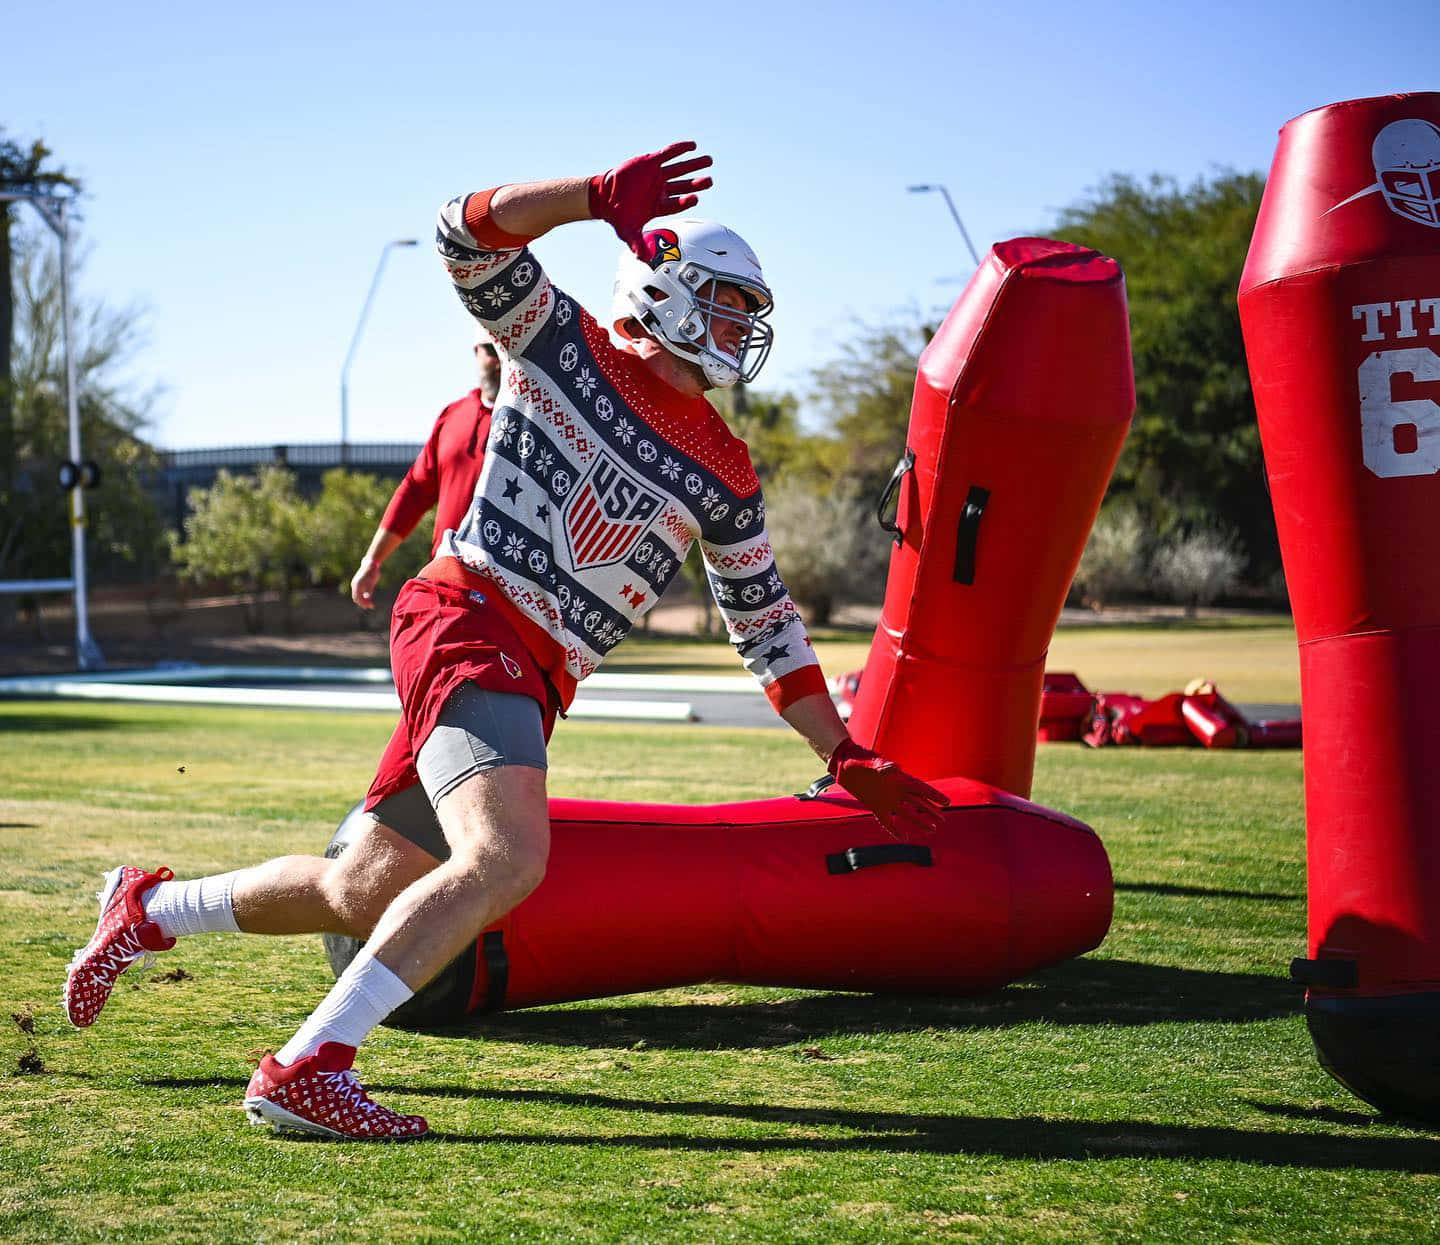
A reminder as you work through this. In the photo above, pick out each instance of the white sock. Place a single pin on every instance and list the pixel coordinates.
(199, 907)
(364, 995)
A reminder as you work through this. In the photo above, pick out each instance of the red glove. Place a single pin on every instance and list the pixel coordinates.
(897, 800)
(645, 187)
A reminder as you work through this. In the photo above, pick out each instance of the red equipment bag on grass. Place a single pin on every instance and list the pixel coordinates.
(1213, 720)
(1066, 706)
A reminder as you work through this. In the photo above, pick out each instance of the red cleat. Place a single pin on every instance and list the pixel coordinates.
(321, 1095)
(122, 936)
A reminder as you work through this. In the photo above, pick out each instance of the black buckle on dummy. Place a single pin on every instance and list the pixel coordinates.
(817, 788)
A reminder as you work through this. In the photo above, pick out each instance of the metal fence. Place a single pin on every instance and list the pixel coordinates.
(183, 470)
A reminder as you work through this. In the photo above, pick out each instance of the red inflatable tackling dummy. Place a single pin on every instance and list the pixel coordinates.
(1340, 305)
(1023, 399)
(793, 891)
(1021, 404)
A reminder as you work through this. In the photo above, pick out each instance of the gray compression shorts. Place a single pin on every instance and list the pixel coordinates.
(476, 731)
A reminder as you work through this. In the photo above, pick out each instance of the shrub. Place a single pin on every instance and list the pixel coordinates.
(827, 547)
(1199, 566)
(1113, 564)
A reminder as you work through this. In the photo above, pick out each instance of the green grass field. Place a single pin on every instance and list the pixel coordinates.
(1162, 1089)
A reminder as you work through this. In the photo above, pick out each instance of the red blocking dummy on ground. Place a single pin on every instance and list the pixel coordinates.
(1022, 401)
(1340, 305)
(792, 891)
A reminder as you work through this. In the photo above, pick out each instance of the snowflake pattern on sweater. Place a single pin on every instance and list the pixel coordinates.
(597, 479)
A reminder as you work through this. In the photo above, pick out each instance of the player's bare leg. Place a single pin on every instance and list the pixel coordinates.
(315, 895)
(497, 826)
(144, 913)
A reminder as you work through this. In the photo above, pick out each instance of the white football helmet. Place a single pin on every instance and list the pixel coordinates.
(673, 298)
(1407, 166)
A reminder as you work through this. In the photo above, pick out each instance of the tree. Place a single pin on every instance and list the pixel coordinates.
(124, 528)
(826, 544)
(1193, 455)
(248, 533)
(864, 399)
(769, 424)
(338, 527)
(21, 169)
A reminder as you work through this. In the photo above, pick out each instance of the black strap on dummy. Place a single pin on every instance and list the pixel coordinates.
(853, 859)
(968, 534)
(889, 493)
(497, 970)
(1334, 974)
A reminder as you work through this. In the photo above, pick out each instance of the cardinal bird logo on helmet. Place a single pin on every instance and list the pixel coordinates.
(663, 245)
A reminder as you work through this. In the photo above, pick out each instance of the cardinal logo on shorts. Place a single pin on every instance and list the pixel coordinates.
(1407, 171)
(606, 513)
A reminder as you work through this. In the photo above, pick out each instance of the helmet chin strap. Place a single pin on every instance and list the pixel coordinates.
(720, 375)
(717, 373)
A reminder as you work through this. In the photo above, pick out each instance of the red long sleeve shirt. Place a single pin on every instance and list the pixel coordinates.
(444, 472)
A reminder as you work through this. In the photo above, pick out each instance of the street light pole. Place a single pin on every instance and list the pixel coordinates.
(355, 341)
(964, 233)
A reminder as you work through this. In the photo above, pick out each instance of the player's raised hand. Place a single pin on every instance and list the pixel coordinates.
(898, 800)
(644, 187)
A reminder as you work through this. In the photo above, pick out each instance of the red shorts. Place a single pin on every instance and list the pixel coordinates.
(441, 636)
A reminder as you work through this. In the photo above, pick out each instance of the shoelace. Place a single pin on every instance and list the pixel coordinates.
(124, 951)
(348, 1086)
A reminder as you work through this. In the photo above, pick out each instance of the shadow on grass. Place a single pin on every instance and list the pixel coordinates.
(40, 723)
(1079, 992)
(1322, 1115)
(1204, 892)
(899, 1133)
(889, 1132)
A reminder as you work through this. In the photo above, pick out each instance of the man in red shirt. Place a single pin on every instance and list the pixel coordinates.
(443, 475)
(605, 464)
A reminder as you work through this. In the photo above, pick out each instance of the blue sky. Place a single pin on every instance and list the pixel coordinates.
(243, 169)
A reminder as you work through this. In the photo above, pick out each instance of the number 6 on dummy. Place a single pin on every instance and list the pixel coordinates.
(1340, 306)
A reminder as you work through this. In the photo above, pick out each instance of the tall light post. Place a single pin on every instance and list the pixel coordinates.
(960, 223)
(355, 341)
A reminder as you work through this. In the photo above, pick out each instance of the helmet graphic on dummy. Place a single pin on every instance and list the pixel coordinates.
(1407, 166)
(672, 297)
